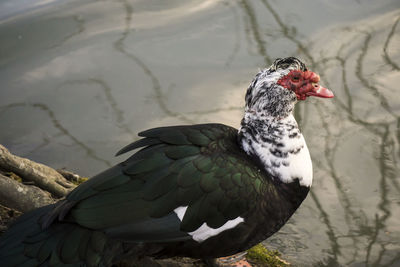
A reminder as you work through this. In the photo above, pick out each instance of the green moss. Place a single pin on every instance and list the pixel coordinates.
(261, 256)
(14, 176)
(80, 180)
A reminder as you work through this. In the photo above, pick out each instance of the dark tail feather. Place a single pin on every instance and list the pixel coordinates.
(62, 244)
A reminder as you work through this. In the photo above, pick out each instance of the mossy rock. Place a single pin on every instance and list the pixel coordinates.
(12, 176)
(80, 180)
(261, 256)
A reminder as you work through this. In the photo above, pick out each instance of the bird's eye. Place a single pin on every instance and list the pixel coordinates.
(295, 78)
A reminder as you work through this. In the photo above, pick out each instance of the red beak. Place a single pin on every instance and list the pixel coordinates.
(320, 92)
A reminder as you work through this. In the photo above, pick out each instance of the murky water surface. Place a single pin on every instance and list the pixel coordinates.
(79, 79)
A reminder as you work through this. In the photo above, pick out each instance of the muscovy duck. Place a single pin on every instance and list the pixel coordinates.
(201, 191)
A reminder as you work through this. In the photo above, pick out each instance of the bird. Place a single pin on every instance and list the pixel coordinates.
(201, 191)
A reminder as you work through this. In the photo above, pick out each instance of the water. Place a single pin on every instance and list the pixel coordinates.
(79, 79)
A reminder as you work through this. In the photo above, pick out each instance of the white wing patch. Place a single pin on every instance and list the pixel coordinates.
(204, 231)
(180, 212)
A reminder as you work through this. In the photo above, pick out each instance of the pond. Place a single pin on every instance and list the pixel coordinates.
(79, 79)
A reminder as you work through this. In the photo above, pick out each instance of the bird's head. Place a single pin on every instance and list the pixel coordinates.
(275, 90)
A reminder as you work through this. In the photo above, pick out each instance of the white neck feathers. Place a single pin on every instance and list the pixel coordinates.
(280, 146)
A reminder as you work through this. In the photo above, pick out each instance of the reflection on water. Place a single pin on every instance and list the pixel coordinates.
(254, 29)
(119, 45)
(56, 124)
(117, 112)
(110, 69)
(385, 47)
(80, 29)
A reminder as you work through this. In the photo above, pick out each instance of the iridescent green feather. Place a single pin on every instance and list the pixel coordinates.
(200, 167)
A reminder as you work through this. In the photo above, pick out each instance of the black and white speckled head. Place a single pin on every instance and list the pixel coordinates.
(268, 130)
(275, 90)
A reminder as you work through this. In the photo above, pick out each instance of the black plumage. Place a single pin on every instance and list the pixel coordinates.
(183, 179)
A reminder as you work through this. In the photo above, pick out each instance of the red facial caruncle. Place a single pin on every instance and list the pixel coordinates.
(304, 84)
